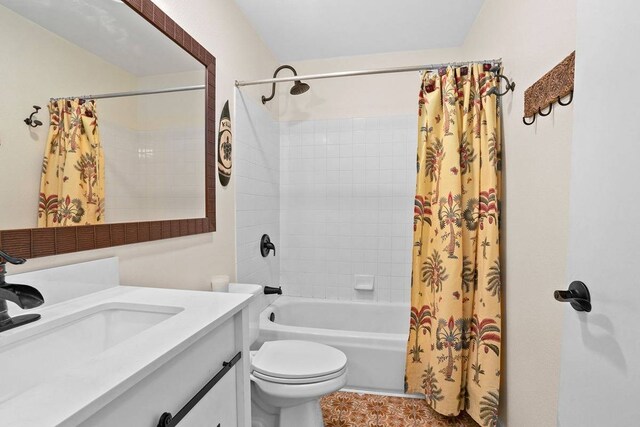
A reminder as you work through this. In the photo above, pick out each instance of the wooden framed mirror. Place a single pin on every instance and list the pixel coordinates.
(31, 242)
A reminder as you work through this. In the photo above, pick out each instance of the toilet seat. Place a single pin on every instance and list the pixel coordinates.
(297, 362)
(310, 380)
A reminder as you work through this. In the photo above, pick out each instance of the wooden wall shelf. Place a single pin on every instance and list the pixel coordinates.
(551, 87)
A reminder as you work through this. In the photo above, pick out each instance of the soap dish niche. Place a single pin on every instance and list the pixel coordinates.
(364, 282)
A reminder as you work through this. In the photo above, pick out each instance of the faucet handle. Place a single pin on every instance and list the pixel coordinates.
(12, 260)
(266, 246)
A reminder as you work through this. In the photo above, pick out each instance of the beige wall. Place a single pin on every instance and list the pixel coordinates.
(189, 262)
(531, 37)
(26, 81)
(171, 110)
(362, 96)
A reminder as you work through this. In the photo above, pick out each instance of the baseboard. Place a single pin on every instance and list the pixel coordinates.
(382, 393)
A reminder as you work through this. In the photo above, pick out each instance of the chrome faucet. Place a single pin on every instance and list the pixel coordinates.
(23, 295)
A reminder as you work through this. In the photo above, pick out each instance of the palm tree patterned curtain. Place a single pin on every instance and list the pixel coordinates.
(72, 183)
(453, 352)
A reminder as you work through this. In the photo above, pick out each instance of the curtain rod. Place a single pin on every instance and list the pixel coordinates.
(365, 72)
(136, 93)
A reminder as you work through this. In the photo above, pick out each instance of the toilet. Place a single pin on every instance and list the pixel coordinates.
(289, 377)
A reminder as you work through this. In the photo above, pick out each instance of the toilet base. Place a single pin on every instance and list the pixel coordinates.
(308, 414)
(261, 417)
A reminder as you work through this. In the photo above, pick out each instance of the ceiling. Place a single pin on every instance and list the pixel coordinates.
(110, 30)
(312, 29)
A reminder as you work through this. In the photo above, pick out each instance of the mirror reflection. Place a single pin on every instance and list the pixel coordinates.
(102, 119)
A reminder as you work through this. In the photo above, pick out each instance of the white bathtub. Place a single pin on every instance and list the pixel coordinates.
(373, 336)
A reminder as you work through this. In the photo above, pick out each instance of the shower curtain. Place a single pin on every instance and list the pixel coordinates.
(453, 352)
(72, 183)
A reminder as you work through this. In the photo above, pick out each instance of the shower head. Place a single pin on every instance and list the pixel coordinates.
(297, 88)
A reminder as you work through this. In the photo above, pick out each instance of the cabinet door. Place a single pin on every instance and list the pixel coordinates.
(217, 407)
(173, 384)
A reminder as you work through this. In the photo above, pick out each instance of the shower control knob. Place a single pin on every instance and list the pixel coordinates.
(266, 246)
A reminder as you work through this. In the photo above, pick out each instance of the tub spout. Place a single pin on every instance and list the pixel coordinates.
(270, 290)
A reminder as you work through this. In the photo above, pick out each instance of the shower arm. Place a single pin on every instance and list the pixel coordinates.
(273, 86)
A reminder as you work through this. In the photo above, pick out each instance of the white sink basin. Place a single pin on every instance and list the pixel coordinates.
(47, 349)
(86, 351)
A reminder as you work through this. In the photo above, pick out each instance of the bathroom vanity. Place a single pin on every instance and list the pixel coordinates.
(124, 356)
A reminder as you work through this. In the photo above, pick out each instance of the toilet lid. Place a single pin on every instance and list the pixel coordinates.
(293, 359)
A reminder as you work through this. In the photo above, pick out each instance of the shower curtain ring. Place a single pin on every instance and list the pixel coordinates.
(568, 102)
(548, 112)
(524, 120)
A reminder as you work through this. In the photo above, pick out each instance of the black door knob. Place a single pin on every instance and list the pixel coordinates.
(577, 295)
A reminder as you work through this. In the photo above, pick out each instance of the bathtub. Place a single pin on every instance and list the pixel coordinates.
(373, 336)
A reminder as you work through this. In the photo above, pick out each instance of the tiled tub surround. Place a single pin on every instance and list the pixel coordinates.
(346, 206)
(174, 171)
(257, 171)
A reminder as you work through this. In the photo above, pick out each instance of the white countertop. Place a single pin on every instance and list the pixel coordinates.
(74, 394)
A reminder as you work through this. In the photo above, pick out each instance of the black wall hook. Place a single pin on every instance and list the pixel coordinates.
(550, 106)
(30, 121)
(568, 102)
(547, 113)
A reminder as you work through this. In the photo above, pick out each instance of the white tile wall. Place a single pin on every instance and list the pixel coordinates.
(257, 171)
(153, 175)
(123, 186)
(346, 206)
(173, 171)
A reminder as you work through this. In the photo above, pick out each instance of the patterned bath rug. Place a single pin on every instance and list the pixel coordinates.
(347, 409)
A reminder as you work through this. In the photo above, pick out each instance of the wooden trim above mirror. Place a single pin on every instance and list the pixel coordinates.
(39, 242)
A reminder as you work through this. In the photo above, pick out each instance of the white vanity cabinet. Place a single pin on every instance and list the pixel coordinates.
(174, 383)
(123, 356)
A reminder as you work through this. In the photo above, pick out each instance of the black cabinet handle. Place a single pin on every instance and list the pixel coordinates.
(577, 295)
(167, 420)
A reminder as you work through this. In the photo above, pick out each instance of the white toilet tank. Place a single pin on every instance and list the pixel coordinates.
(257, 304)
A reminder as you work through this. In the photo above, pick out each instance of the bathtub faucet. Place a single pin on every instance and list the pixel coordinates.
(270, 290)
